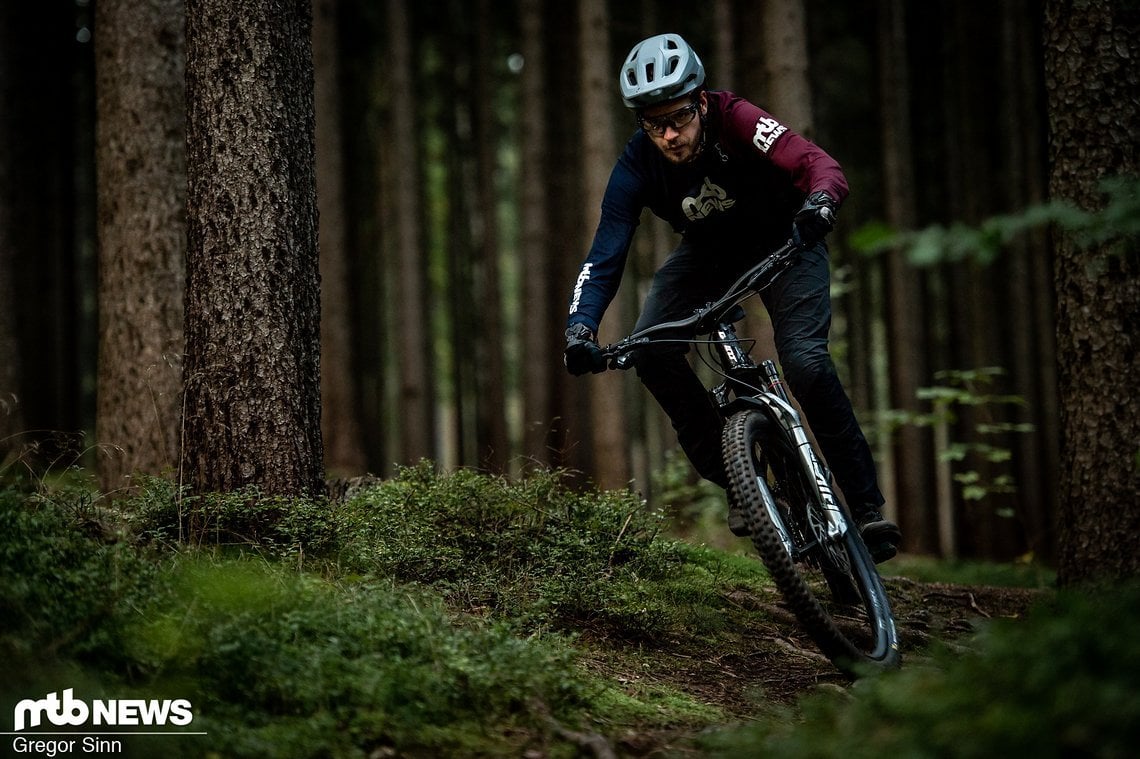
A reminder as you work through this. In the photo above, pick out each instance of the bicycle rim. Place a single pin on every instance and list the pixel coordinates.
(817, 579)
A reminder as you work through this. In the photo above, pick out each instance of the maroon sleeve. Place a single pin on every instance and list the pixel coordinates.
(809, 166)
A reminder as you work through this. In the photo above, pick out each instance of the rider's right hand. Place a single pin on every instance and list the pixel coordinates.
(582, 352)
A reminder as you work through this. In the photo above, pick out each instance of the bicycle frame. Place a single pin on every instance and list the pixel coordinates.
(743, 386)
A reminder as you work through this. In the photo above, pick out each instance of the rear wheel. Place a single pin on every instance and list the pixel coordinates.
(829, 581)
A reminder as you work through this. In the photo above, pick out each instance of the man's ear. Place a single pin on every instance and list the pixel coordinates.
(703, 99)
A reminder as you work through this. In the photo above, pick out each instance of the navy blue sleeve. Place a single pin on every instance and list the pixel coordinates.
(598, 280)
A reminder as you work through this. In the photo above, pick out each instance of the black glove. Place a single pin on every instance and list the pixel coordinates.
(814, 219)
(582, 351)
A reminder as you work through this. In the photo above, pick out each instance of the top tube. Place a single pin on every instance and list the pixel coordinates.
(704, 320)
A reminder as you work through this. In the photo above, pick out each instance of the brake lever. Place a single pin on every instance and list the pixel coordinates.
(618, 354)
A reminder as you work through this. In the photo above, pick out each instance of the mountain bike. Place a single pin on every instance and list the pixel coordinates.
(802, 531)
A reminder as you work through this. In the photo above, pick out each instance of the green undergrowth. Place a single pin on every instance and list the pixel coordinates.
(531, 553)
(428, 615)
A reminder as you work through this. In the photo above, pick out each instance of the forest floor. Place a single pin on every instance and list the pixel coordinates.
(683, 636)
(773, 668)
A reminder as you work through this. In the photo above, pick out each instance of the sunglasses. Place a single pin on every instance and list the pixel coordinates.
(678, 119)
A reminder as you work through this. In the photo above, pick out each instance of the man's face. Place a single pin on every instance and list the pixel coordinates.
(675, 127)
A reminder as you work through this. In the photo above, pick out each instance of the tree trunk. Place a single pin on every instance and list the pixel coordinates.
(340, 410)
(905, 312)
(786, 63)
(723, 56)
(1093, 83)
(252, 367)
(11, 416)
(412, 339)
(540, 359)
(44, 127)
(363, 93)
(1028, 267)
(564, 242)
(141, 165)
(750, 75)
(971, 298)
(459, 228)
(490, 401)
(607, 408)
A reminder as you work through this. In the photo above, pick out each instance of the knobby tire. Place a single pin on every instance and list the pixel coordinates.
(854, 636)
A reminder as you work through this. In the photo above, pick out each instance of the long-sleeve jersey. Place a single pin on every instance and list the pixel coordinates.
(741, 191)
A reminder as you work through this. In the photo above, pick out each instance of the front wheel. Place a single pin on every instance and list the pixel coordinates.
(829, 580)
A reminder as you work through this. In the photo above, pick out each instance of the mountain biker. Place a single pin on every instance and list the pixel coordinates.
(735, 183)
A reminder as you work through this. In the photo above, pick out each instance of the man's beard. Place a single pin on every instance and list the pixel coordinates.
(686, 152)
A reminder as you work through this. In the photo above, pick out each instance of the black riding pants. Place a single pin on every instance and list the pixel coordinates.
(799, 305)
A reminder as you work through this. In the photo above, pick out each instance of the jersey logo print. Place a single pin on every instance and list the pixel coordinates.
(767, 132)
(711, 198)
(583, 278)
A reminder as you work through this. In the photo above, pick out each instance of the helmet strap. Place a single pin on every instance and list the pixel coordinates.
(704, 124)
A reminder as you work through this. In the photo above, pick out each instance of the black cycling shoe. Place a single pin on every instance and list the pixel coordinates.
(736, 522)
(881, 536)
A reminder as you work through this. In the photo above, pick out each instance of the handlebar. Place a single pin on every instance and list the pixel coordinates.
(704, 320)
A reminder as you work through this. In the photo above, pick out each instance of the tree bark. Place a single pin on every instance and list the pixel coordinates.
(141, 167)
(1093, 82)
(252, 367)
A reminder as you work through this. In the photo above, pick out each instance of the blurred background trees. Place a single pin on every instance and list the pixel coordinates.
(461, 151)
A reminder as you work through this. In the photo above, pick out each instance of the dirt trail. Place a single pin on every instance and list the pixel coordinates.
(779, 664)
(785, 663)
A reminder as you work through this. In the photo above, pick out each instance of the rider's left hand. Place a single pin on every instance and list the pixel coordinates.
(582, 351)
(814, 219)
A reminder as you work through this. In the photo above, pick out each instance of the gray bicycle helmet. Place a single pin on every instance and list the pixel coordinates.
(660, 69)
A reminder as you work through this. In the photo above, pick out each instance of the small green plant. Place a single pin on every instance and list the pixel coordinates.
(161, 512)
(961, 389)
(533, 551)
(47, 461)
(64, 566)
(968, 388)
